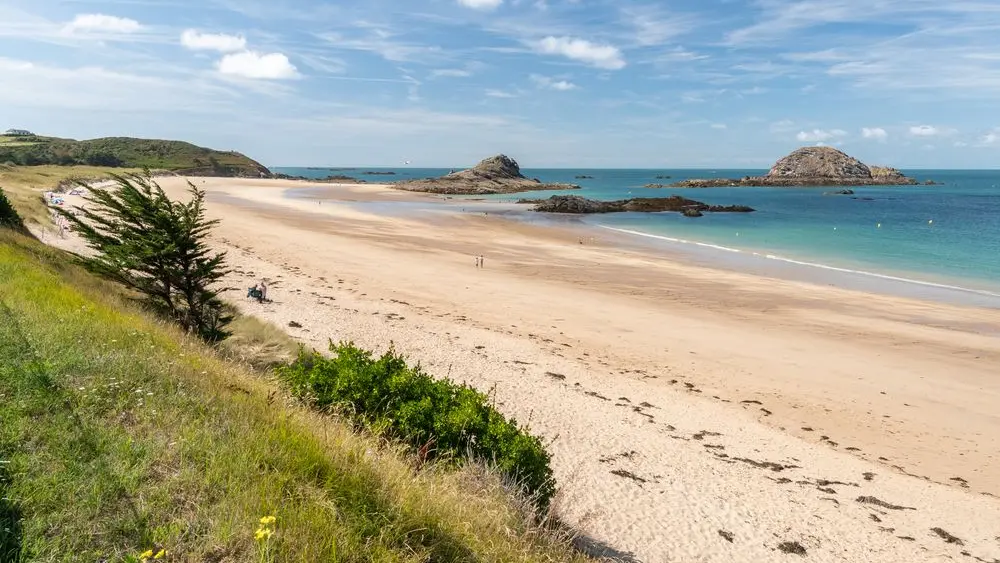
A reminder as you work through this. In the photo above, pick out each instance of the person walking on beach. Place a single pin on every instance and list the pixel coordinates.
(477, 261)
(482, 261)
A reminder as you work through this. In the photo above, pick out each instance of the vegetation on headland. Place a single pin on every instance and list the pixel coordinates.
(127, 152)
(124, 437)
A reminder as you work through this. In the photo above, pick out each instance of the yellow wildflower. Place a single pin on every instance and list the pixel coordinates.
(262, 534)
(146, 554)
(160, 554)
(268, 520)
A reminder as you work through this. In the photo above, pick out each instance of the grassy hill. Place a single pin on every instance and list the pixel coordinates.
(127, 152)
(121, 434)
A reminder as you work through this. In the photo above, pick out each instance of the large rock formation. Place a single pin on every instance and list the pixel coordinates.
(495, 175)
(813, 166)
(577, 204)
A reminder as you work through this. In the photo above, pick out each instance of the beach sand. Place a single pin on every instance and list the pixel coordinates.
(693, 413)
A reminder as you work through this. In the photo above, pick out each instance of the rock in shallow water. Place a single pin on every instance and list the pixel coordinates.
(813, 166)
(498, 174)
(678, 204)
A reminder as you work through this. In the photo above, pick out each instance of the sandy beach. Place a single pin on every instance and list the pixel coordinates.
(693, 413)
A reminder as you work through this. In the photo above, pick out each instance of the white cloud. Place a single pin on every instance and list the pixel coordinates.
(250, 64)
(718, 126)
(594, 54)
(876, 133)
(924, 131)
(500, 94)
(990, 138)
(551, 83)
(102, 23)
(196, 41)
(481, 4)
(819, 135)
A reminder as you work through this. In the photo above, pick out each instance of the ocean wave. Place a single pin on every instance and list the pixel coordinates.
(778, 258)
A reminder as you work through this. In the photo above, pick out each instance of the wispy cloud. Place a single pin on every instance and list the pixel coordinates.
(481, 4)
(654, 25)
(924, 131)
(387, 44)
(782, 126)
(819, 135)
(550, 83)
(194, 40)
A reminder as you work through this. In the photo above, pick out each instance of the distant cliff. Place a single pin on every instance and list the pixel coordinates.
(813, 166)
(127, 152)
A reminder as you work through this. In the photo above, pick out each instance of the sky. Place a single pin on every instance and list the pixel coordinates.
(551, 83)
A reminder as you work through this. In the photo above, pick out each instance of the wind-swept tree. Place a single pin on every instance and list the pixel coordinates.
(156, 247)
(8, 215)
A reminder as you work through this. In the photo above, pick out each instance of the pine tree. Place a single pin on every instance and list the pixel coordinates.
(158, 248)
(8, 215)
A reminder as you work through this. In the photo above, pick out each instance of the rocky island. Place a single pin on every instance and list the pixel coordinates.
(676, 203)
(813, 166)
(495, 175)
(331, 179)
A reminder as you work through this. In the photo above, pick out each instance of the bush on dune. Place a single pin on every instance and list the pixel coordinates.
(436, 416)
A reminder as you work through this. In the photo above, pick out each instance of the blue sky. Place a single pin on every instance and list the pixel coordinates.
(570, 83)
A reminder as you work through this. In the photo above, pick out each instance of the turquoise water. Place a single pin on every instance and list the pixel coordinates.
(945, 234)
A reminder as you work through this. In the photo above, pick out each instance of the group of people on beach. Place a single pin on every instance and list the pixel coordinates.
(480, 261)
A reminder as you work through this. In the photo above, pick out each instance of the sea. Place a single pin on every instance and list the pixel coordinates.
(942, 239)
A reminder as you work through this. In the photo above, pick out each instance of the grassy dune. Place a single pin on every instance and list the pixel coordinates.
(25, 185)
(120, 434)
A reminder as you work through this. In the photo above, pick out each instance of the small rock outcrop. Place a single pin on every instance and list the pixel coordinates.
(813, 166)
(495, 175)
(331, 179)
(581, 205)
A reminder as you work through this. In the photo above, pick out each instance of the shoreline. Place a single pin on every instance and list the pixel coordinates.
(892, 282)
(679, 400)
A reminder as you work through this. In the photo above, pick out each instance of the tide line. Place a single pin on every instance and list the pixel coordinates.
(810, 264)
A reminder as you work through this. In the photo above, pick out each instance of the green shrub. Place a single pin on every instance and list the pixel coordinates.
(444, 419)
(8, 215)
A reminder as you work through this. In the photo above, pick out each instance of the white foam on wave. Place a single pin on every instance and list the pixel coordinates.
(810, 264)
(672, 239)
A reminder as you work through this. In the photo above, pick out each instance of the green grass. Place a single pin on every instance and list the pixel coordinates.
(120, 434)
